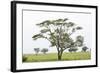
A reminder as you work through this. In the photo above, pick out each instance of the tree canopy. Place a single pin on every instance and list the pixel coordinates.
(58, 32)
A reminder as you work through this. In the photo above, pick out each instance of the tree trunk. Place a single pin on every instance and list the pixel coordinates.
(60, 51)
(60, 55)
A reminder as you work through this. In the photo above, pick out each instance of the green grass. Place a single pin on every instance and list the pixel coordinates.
(53, 57)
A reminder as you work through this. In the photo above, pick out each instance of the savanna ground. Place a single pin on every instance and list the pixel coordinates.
(53, 57)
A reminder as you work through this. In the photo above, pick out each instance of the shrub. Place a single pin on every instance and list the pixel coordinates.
(24, 58)
(72, 50)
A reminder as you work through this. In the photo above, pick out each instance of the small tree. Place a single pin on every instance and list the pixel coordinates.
(44, 50)
(84, 49)
(36, 50)
(72, 49)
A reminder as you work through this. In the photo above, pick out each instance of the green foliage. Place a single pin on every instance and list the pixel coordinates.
(44, 30)
(70, 24)
(65, 19)
(45, 23)
(73, 30)
(78, 28)
(79, 41)
(35, 37)
(80, 38)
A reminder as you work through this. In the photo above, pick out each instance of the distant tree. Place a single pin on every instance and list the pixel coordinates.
(84, 49)
(72, 49)
(44, 50)
(36, 50)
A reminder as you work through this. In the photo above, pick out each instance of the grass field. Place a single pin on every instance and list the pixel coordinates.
(53, 57)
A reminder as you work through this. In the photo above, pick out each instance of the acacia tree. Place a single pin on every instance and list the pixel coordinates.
(44, 50)
(58, 33)
(36, 50)
(84, 49)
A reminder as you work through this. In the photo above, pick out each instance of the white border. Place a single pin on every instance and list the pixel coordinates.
(21, 65)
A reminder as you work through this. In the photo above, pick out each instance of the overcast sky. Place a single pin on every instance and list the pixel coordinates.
(31, 18)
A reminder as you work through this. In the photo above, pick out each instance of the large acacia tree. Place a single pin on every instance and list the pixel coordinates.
(58, 32)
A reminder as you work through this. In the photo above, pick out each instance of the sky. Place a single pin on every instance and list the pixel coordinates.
(31, 18)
